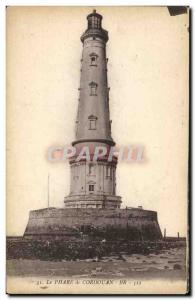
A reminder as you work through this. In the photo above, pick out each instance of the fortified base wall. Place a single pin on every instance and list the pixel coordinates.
(129, 224)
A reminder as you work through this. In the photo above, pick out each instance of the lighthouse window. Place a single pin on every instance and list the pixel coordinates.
(95, 22)
(108, 171)
(89, 23)
(93, 88)
(92, 122)
(91, 187)
(93, 59)
(91, 169)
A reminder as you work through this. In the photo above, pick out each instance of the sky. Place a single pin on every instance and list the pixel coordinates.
(148, 77)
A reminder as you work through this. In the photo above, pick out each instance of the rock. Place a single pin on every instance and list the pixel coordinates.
(95, 259)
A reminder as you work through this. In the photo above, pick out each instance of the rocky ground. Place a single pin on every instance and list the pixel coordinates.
(166, 263)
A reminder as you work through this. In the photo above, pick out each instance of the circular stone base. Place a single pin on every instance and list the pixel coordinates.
(126, 224)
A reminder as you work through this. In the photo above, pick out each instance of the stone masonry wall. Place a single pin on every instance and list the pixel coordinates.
(130, 224)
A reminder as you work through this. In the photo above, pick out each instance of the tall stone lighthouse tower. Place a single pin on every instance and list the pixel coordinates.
(93, 183)
(92, 206)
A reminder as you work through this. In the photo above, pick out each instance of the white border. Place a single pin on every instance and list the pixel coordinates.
(95, 3)
(3, 5)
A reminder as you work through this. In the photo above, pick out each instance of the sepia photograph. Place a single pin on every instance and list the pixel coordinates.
(97, 130)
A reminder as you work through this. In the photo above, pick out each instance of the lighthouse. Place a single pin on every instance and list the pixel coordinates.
(93, 183)
(92, 206)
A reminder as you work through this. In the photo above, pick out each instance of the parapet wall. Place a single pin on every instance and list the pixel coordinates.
(130, 224)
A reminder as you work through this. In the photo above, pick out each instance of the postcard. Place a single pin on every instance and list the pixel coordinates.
(97, 150)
